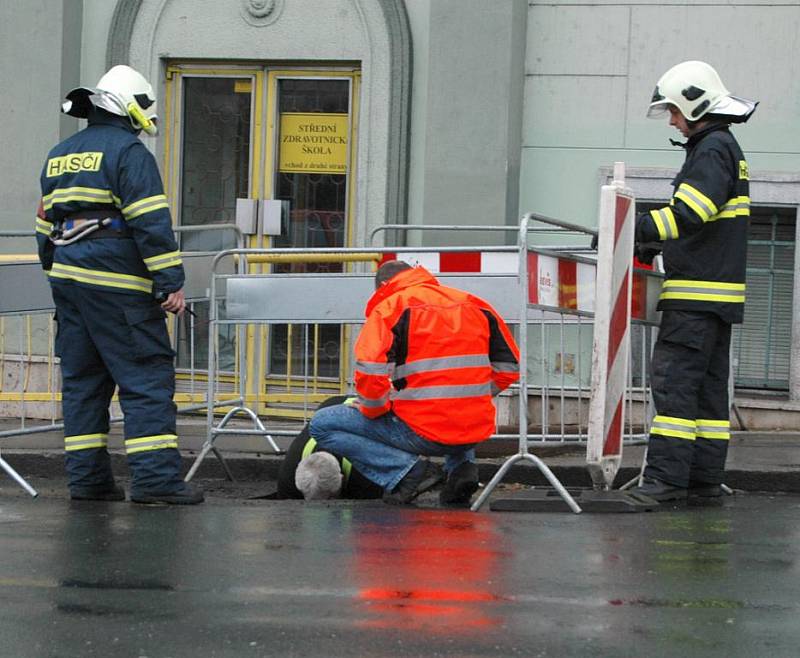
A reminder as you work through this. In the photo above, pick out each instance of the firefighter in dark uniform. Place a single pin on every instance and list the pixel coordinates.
(702, 234)
(105, 240)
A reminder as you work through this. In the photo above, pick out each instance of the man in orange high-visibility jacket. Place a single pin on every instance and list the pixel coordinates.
(429, 359)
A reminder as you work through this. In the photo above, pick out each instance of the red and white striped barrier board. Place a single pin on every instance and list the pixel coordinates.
(490, 262)
(611, 344)
(552, 281)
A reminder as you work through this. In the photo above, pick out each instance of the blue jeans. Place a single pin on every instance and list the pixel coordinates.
(382, 449)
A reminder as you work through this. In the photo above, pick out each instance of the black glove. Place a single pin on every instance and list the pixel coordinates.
(645, 229)
(645, 252)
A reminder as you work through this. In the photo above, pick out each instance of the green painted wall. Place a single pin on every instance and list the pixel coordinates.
(590, 71)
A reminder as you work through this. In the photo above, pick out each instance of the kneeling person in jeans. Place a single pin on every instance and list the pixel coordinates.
(429, 359)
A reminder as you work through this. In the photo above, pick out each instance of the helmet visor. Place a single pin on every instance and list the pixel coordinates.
(658, 109)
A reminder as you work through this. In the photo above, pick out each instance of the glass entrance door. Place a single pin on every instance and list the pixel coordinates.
(263, 133)
(211, 159)
(312, 174)
(216, 153)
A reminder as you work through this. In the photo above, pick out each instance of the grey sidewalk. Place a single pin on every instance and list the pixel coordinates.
(757, 461)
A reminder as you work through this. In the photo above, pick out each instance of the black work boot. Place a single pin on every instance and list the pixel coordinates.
(186, 494)
(424, 475)
(111, 493)
(156, 479)
(661, 491)
(705, 490)
(460, 485)
(90, 476)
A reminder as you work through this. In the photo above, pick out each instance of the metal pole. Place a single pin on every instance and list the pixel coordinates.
(523, 336)
(17, 478)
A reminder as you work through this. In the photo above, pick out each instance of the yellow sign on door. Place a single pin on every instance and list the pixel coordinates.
(313, 143)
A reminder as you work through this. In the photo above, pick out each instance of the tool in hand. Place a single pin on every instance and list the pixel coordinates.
(161, 297)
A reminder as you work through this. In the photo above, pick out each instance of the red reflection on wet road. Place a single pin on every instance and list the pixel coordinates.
(427, 570)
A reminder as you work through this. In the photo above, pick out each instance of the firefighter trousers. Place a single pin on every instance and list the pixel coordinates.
(690, 433)
(106, 340)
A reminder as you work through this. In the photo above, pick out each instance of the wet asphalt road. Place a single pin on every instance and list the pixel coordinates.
(245, 578)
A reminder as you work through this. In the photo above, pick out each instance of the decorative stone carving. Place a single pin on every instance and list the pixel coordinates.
(260, 13)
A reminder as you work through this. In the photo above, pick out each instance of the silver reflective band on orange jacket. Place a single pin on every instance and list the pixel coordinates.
(371, 403)
(373, 367)
(444, 392)
(441, 363)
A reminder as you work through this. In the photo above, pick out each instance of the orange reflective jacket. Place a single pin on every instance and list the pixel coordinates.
(435, 356)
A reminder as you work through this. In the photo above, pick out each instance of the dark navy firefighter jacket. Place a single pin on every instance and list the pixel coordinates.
(704, 228)
(106, 167)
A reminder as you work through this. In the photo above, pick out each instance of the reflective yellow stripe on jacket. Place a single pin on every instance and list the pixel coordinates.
(697, 201)
(101, 278)
(664, 219)
(705, 291)
(170, 259)
(143, 206)
(43, 226)
(71, 194)
(736, 207)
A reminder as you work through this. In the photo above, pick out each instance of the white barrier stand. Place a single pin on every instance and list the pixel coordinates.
(611, 346)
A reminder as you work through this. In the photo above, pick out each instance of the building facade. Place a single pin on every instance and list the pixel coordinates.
(361, 113)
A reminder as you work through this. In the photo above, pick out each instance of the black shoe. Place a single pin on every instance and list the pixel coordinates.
(424, 475)
(113, 494)
(462, 483)
(658, 490)
(705, 490)
(187, 495)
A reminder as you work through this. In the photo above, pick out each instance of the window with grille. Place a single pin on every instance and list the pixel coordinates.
(762, 344)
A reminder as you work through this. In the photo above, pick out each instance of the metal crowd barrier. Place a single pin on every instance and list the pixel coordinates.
(557, 382)
(29, 375)
(339, 298)
(567, 289)
(312, 299)
(560, 363)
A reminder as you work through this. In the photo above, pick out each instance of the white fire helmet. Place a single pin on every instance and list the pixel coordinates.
(696, 90)
(121, 91)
